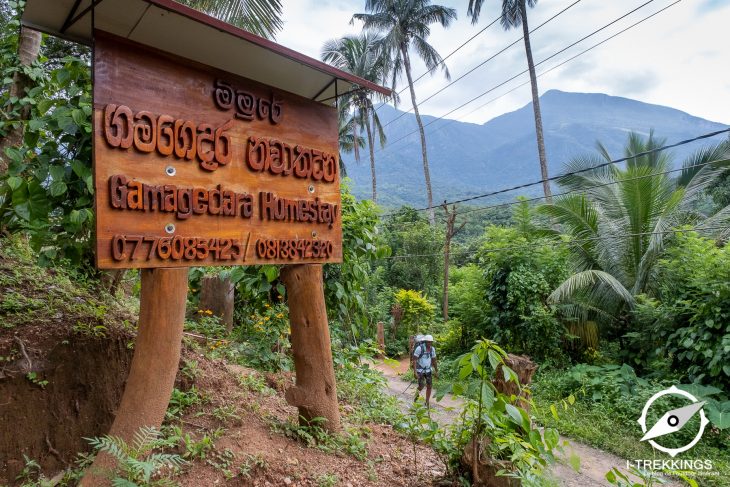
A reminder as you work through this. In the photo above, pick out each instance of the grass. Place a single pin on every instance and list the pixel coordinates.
(610, 424)
(34, 295)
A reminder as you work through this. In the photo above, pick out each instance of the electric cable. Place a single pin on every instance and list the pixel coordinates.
(579, 171)
(493, 88)
(515, 42)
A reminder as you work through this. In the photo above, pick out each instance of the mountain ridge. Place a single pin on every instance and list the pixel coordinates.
(466, 159)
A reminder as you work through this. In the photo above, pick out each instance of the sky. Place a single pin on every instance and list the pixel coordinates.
(677, 58)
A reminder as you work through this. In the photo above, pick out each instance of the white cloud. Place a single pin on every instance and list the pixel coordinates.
(678, 58)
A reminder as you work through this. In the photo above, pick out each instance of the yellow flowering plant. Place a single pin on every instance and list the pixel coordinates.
(266, 333)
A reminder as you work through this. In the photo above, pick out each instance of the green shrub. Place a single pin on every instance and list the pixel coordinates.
(417, 311)
(687, 323)
(520, 273)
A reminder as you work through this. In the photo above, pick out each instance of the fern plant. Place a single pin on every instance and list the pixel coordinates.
(137, 463)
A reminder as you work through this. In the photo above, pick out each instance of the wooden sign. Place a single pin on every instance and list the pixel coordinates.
(198, 167)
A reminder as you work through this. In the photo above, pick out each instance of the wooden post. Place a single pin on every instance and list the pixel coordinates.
(315, 392)
(450, 233)
(381, 337)
(217, 294)
(155, 363)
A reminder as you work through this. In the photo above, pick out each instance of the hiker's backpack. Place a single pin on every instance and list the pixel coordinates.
(414, 343)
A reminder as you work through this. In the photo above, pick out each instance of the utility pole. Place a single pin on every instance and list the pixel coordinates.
(450, 232)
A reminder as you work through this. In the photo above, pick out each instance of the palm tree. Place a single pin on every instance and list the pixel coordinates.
(261, 17)
(349, 140)
(514, 14)
(621, 219)
(406, 24)
(359, 55)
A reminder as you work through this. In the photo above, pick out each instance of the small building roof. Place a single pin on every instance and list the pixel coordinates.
(174, 28)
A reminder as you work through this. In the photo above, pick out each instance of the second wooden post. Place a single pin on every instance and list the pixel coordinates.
(315, 392)
(154, 366)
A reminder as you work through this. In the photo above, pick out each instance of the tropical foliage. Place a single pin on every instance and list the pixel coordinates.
(686, 323)
(405, 25)
(360, 56)
(262, 17)
(47, 190)
(622, 219)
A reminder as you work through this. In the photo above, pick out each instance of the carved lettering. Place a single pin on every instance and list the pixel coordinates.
(223, 149)
(212, 146)
(278, 158)
(223, 95)
(185, 147)
(246, 105)
(276, 109)
(126, 194)
(118, 123)
(264, 109)
(145, 132)
(257, 153)
(274, 208)
(165, 135)
(118, 191)
(317, 165)
(303, 162)
(330, 168)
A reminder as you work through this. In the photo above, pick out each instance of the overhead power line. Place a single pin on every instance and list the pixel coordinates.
(472, 100)
(516, 41)
(443, 60)
(556, 66)
(574, 191)
(579, 171)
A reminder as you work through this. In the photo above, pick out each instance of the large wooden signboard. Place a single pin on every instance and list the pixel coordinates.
(198, 167)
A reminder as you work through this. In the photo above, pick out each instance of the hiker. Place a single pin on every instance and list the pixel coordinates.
(424, 364)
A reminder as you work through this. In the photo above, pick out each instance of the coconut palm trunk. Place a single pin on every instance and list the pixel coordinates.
(371, 144)
(426, 172)
(29, 46)
(536, 105)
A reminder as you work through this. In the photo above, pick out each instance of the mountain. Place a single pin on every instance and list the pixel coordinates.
(468, 159)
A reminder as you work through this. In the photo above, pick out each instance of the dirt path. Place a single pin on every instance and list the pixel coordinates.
(594, 463)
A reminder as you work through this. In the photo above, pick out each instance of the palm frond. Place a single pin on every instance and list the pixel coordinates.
(587, 279)
(705, 155)
(261, 17)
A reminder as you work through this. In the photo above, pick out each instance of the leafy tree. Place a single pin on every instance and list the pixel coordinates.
(417, 310)
(417, 247)
(261, 17)
(48, 188)
(621, 219)
(468, 308)
(514, 14)
(359, 55)
(520, 272)
(405, 24)
(687, 322)
(345, 284)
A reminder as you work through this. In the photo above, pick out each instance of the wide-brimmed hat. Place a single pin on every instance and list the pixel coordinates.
(427, 338)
